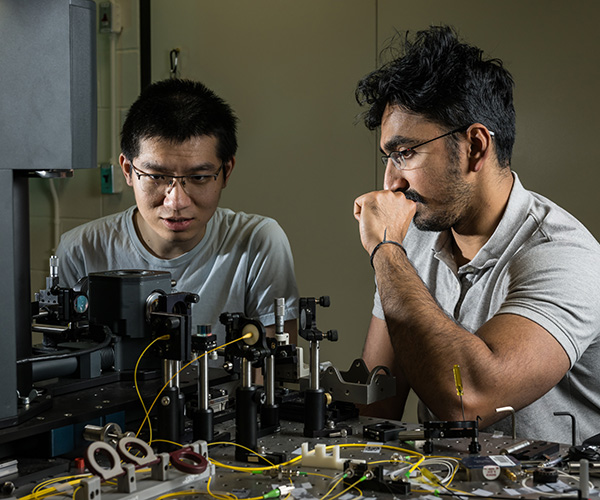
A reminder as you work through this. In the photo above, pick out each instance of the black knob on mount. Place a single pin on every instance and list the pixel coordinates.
(332, 335)
(192, 298)
(324, 301)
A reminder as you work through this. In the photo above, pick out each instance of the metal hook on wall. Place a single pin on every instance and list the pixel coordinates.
(174, 60)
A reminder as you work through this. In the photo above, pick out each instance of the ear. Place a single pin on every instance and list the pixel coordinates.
(126, 168)
(480, 146)
(228, 168)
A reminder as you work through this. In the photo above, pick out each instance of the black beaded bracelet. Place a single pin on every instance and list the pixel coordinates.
(383, 243)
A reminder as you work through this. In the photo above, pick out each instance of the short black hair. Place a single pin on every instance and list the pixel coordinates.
(446, 81)
(177, 110)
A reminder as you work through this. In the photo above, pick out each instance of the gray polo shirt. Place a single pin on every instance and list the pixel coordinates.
(540, 263)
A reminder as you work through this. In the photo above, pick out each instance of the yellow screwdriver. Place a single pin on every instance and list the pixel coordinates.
(459, 387)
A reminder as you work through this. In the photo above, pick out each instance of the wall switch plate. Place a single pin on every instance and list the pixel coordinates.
(109, 179)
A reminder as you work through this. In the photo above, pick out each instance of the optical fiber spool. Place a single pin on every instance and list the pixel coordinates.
(188, 461)
(128, 444)
(114, 468)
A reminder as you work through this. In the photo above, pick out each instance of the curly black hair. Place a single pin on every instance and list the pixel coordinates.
(446, 81)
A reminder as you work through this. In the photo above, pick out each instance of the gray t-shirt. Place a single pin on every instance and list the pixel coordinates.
(242, 263)
(542, 264)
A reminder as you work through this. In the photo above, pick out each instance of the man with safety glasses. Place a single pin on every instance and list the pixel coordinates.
(178, 147)
(472, 269)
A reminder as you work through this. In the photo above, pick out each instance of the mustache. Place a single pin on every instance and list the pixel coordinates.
(413, 196)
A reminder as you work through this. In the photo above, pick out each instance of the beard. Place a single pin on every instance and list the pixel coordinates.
(453, 203)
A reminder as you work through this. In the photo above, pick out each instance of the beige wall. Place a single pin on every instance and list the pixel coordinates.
(289, 69)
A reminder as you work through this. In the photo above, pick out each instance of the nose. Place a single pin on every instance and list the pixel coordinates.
(176, 198)
(394, 179)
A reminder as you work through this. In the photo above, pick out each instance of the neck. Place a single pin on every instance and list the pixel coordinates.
(478, 226)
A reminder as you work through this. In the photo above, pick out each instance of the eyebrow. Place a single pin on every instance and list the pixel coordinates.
(398, 140)
(156, 167)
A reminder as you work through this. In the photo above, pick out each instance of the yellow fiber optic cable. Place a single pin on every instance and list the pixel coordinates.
(135, 383)
(344, 476)
(147, 417)
(169, 442)
(227, 496)
(178, 494)
(39, 492)
(250, 469)
(353, 485)
(418, 455)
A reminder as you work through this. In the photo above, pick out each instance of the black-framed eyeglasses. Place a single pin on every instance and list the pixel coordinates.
(191, 184)
(399, 158)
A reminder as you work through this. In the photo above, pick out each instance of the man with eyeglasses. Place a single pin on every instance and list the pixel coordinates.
(178, 153)
(472, 269)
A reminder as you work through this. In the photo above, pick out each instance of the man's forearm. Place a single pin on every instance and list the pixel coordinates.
(378, 351)
(427, 343)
